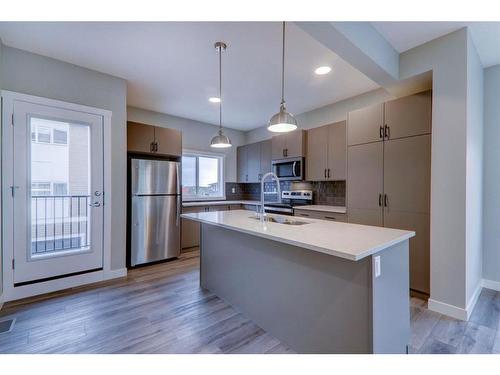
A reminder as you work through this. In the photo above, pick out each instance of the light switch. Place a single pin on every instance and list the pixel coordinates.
(378, 270)
(233, 190)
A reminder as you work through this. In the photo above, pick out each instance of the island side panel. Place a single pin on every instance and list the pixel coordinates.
(312, 302)
(391, 300)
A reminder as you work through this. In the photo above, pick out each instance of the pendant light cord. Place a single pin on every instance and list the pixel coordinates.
(283, 68)
(220, 88)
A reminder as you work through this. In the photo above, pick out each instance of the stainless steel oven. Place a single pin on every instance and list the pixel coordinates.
(291, 169)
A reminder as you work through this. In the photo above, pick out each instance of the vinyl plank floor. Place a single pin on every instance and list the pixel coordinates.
(162, 309)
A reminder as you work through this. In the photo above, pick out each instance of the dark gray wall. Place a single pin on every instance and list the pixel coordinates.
(28, 73)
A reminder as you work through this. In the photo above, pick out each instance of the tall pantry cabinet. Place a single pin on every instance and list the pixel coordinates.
(389, 169)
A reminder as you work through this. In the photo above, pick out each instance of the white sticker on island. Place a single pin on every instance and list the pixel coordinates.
(377, 266)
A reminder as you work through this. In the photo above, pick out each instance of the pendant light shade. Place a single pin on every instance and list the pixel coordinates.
(220, 140)
(283, 121)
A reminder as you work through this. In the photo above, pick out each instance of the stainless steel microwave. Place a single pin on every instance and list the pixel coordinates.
(291, 169)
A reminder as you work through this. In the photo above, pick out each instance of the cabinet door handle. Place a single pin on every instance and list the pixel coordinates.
(386, 201)
(328, 172)
(381, 132)
(387, 132)
(380, 200)
(303, 214)
(325, 172)
(330, 217)
(151, 147)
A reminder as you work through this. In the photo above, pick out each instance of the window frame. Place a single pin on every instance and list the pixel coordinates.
(221, 173)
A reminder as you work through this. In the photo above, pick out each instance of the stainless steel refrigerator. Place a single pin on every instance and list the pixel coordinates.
(155, 204)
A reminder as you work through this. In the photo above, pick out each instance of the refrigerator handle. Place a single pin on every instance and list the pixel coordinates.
(177, 210)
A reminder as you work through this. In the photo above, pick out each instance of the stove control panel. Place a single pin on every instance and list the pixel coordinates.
(297, 194)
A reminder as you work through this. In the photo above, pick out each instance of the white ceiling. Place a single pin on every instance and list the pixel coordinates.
(406, 35)
(172, 67)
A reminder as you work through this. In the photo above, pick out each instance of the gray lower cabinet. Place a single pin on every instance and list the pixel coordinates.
(190, 230)
(419, 245)
(253, 161)
(323, 215)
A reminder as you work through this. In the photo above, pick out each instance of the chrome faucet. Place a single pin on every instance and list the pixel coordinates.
(262, 210)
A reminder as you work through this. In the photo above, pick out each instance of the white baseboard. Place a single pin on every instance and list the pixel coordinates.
(31, 290)
(455, 311)
(491, 284)
(446, 309)
(115, 274)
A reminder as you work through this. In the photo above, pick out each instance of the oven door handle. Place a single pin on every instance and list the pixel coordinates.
(293, 169)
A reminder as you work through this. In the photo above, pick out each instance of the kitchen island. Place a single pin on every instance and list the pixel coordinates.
(318, 286)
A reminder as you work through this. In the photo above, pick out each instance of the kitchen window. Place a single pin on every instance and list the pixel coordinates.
(202, 176)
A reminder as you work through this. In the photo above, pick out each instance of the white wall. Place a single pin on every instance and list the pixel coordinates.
(33, 74)
(327, 114)
(474, 184)
(456, 156)
(195, 135)
(491, 198)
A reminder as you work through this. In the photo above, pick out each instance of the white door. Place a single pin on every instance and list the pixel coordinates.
(57, 191)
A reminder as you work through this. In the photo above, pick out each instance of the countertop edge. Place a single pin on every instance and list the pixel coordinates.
(351, 257)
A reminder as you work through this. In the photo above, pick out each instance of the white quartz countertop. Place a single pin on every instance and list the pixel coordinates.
(349, 241)
(216, 203)
(323, 208)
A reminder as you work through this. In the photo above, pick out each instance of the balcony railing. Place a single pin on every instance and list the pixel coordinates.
(59, 223)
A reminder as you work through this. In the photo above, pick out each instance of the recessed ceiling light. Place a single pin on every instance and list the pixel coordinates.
(323, 70)
(214, 99)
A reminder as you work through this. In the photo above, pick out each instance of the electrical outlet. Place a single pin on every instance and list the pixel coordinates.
(377, 267)
(233, 190)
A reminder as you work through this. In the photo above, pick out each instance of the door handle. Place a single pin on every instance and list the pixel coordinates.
(381, 132)
(386, 202)
(95, 204)
(325, 172)
(387, 132)
(380, 200)
(151, 147)
(328, 172)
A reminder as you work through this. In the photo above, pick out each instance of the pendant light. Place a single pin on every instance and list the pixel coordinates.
(220, 140)
(283, 121)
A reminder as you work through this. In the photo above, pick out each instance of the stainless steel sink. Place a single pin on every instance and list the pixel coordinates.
(280, 220)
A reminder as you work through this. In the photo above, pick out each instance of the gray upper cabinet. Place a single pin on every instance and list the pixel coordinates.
(317, 154)
(168, 141)
(253, 161)
(140, 137)
(409, 116)
(265, 157)
(241, 162)
(289, 145)
(337, 151)
(145, 138)
(365, 125)
(278, 146)
(326, 152)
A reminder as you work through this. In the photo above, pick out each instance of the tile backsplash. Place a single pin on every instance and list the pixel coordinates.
(324, 192)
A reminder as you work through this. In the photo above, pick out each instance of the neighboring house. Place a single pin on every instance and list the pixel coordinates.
(60, 185)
